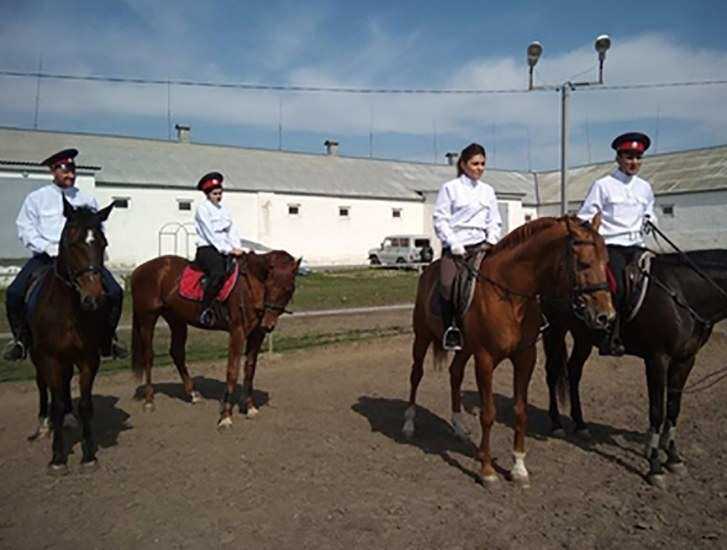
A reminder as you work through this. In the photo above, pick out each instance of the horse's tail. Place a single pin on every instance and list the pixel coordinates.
(439, 356)
(137, 364)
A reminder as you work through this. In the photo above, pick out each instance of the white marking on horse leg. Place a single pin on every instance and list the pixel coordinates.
(409, 414)
(252, 411)
(225, 422)
(195, 396)
(667, 436)
(652, 444)
(42, 430)
(519, 472)
(458, 426)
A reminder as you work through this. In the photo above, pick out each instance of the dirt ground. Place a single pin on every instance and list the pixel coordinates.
(324, 466)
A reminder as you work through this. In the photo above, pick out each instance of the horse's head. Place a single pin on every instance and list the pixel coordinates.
(81, 252)
(279, 286)
(586, 260)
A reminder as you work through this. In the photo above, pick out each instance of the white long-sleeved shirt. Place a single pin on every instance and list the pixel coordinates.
(215, 227)
(466, 212)
(40, 220)
(625, 202)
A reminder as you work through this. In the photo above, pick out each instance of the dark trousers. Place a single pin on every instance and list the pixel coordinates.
(15, 294)
(214, 264)
(618, 258)
(15, 297)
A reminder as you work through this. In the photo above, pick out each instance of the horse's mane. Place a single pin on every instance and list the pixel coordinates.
(523, 233)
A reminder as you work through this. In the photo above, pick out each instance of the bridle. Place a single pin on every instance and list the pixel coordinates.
(71, 276)
(577, 291)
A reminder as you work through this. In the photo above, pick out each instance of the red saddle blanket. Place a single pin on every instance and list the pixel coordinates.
(190, 285)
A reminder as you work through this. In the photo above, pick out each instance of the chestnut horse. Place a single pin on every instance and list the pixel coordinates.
(67, 326)
(563, 257)
(261, 293)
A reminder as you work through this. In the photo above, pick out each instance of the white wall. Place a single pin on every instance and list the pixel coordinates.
(698, 222)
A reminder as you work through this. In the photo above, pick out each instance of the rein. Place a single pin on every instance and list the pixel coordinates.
(649, 227)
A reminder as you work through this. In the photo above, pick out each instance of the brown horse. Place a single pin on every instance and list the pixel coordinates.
(564, 257)
(67, 327)
(260, 295)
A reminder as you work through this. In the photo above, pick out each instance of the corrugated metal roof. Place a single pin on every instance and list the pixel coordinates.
(682, 172)
(134, 161)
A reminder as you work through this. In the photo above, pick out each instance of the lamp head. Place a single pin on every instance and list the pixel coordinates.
(534, 51)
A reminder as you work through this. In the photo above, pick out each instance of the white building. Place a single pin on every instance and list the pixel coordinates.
(328, 208)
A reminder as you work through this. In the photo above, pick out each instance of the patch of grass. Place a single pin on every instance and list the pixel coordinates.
(211, 346)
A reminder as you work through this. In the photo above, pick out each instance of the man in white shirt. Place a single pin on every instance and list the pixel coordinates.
(465, 217)
(40, 223)
(626, 202)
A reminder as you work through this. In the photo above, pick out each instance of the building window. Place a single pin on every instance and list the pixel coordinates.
(528, 218)
(121, 202)
(396, 212)
(343, 211)
(184, 204)
(667, 210)
(294, 209)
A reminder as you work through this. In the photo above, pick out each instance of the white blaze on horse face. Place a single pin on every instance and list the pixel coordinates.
(89, 237)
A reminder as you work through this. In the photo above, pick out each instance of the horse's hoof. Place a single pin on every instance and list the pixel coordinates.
(584, 434)
(58, 470)
(657, 480)
(195, 397)
(90, 466)
(70, 422)
(520, 479)
(557, 432)
(225, 423)
(251, 412)
(487, 479)
(149, 406)
(677, 468)
(407, 431)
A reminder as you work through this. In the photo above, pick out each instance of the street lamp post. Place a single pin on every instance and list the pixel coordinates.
(602, 44)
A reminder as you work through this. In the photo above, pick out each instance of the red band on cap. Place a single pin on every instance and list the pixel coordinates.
(632, 146)
(209, 184)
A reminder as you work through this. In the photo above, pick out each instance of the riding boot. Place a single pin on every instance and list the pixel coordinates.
(208, 318)
(452, 339)
(17, 348)
(611, 343)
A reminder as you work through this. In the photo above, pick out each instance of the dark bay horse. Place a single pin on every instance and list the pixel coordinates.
(674, 322)
(563, 257)
(67, 326)
(260, 295)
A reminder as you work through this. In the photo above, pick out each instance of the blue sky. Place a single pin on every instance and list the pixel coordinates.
(462, 45)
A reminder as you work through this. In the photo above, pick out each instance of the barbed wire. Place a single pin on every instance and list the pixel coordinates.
(346, 90)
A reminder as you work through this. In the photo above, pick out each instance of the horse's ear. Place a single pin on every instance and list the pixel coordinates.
(103, 214)
(596, 221)
(297, 264)
(67, 208)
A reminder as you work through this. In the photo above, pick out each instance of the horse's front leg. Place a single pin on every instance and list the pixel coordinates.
(234, 354)
(88, 370)
(252, 348)
(58, 372)
(484, 367)
(555, 374)
(523, 365)
(656, 374)
(581, 350)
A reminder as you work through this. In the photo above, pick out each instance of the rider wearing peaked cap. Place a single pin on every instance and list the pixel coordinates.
(40, 223)
(217, 237)
(626, 202)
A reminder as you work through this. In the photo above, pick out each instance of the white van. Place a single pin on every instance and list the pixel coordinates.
(402, 249)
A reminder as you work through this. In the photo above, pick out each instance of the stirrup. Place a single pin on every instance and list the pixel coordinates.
(15, 351)
(452, 339)
(207, 317)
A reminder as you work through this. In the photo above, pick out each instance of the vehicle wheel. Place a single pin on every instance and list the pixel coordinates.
(400, 261)
(374, 260)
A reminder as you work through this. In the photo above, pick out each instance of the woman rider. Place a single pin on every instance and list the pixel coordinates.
(217, 237)
(465, 217)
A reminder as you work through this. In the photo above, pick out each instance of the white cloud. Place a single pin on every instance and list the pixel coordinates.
(288, 44)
